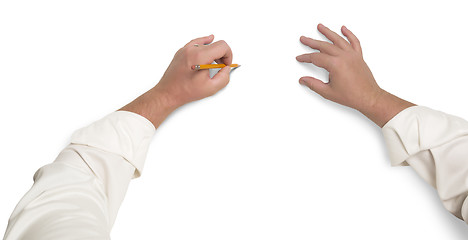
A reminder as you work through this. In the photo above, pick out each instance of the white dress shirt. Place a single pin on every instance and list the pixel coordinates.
(79, 194)
(435, 145)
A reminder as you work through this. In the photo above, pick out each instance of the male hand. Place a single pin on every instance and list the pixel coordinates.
(351, 82)
(182, 84)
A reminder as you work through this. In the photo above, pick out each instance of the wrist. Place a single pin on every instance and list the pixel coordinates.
(168, 95)
(385, 107)
(372, 101)
(154, 105)
(164, 99)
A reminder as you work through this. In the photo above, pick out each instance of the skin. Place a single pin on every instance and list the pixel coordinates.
(180, 84)
(351, 82)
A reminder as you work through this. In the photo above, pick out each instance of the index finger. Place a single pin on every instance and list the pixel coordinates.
(219, 50)
(322, 46)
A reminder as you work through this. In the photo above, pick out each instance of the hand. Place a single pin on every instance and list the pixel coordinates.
(351, 82)
(182, 84)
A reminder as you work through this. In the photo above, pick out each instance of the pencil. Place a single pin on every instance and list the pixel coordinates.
(208, 66)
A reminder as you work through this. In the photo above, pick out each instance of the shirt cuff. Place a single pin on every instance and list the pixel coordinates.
(419, 128)
(124, 133)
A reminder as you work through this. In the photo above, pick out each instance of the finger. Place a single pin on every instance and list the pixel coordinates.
(333, 36)
(352, 39)
(221, 79)
(202, 40)
(317, 58)
(220, 61)
(322, 46)
(315, 85)
(219, 50)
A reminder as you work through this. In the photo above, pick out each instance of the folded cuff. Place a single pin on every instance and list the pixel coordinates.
(124, 133)
(420, 128)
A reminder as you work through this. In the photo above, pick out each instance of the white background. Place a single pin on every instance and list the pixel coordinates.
(265, 158)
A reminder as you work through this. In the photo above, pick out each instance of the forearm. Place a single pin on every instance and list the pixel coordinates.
(384, 108)
(155, 105)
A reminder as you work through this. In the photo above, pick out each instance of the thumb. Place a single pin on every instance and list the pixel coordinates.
(221, 78)
(315, 85)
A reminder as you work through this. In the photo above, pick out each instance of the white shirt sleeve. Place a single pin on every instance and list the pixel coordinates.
(79, 194)
(435, 145)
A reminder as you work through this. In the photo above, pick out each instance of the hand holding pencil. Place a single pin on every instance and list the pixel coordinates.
(181, 84)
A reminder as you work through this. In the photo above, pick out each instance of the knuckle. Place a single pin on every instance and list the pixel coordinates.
(226, 45)
(358, 54)
(184, 50)
(222, 42)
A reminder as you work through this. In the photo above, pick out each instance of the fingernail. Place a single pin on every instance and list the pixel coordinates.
(301, 81)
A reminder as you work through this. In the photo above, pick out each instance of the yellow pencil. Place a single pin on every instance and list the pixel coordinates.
(208, 66)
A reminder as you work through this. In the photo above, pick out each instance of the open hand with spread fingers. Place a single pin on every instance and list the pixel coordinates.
(351, 82)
